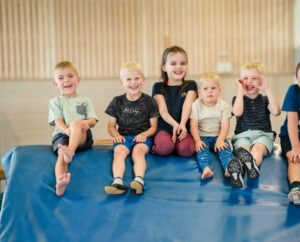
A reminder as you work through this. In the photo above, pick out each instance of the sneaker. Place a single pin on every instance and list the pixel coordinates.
(247, 159)
(235, 170)
(137, 187)
(115, 189)
(294, 195)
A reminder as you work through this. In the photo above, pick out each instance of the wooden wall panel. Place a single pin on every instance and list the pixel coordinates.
(98, 35)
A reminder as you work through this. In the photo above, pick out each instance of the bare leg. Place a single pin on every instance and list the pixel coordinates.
(120, 154)
(293, 170)
(139, 161)
(61, 174)
(77, 137)
(207, 173)
(258, 151)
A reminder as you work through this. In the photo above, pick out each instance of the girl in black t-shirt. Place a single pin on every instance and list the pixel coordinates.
(174, 97)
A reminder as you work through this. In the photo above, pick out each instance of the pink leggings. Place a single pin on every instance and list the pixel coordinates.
(163, 145)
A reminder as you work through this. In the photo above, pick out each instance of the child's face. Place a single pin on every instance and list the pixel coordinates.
(209, 91)
(250, 78)
(132, 81)
(66, 80)
(176, 66)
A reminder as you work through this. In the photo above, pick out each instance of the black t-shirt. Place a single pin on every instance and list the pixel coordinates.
(256, 115)
(133, 117)
(174, 98)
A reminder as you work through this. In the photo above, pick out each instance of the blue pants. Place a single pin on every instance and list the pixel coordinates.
(205, 157)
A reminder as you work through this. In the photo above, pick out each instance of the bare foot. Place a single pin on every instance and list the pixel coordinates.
(66, 153)
(227, 173)
(62, 183)
(207, 173)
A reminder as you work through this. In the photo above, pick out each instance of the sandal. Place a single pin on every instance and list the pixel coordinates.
(137, 187)
(115, 189)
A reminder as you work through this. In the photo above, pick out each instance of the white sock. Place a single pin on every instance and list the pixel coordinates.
(139, 179)
(118, 180)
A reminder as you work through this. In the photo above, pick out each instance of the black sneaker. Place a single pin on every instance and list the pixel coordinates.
(115, 189)
(137, 187)
(235, 170)
(248, 161)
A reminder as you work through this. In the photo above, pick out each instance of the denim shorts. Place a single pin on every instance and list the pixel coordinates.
(129, 143)
(63, 139)
(251, 137)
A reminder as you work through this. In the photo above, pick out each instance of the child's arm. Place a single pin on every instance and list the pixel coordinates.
(199, 145)
(62, 126)
(238, 106)
(220, 143)
(88, 123)
(165, 115)
(149, 132)
(293, 135)
(112, 130)
(186, 111)
(274, 106)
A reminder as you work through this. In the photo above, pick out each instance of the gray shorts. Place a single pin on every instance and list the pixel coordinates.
(251, 137)
(63, 139)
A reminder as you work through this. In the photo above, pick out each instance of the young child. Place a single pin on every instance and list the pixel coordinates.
(210, 122)
(73, 116)
(253, 137)
(290, 137)
(135, 113)
(174, 97)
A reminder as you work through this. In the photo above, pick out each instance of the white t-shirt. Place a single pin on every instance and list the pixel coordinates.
(210, 118)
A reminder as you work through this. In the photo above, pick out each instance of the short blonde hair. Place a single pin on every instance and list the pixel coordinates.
(65, 64)
(254, 64)
(131, 66)
(209, 76)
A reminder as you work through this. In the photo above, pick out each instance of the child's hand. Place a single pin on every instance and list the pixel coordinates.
(294, 155)
(174, 135)
(118, 139)
(199, 145)
(67, 132)
(263, 83)
(240, 84)
(181, 132)
(84, 126)
(140, 138)
(220, 145)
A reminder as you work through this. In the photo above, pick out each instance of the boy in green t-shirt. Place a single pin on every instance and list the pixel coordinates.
(72, 116)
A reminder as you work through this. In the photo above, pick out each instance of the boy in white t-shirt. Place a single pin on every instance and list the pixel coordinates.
(209, 123)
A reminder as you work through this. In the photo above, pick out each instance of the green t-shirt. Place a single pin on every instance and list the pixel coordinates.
(70, 109)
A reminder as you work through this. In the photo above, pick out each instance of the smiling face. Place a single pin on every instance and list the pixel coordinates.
(66, 80)
(209, 91)
(250, 78)
(175, 67)
(132, 81)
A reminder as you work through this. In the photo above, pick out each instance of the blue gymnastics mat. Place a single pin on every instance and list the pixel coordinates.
(176, 205)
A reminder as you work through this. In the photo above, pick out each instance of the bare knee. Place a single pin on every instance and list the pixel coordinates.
(121, 151)
(139, 150)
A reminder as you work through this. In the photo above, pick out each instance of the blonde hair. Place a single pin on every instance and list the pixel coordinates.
(131, 66)
(254, 64)
(65, 64)
(209, 76)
